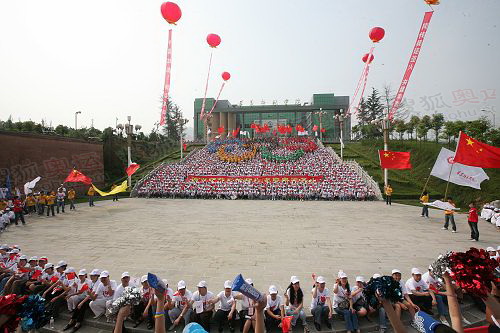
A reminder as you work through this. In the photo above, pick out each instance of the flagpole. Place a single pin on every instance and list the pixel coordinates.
(448, 183)
(425, 186)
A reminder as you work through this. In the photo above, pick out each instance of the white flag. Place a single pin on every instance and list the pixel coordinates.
(441, 205)
(31, 185)
(460, 174)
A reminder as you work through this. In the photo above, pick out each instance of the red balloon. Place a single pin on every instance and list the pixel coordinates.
(213, 40)
(226, 76)
(376, 34)
(365, 58)
(171, 12)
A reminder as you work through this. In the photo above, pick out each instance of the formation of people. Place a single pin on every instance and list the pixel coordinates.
(339, 181)
(82, 290)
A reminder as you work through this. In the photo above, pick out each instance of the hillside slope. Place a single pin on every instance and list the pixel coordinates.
(408, 184)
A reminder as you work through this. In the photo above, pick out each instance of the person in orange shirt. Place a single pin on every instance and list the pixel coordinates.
(31, 203)
(50, 200)
(449, 217)
(3, 204)
(71, 198)
(91, 194)
(41, 203)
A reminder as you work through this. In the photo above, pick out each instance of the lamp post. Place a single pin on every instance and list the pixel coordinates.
(76, 119)
(493, 113)
(340, 117)
(320, 114)
(385, 124)
(129, 129)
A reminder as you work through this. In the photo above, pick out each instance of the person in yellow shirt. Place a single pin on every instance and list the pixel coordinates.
(41, 203)
(3, 204)
(425, 199)
(50, 200)
(71, 198)
(31, 203)
(388, 194)
(449, 217)
(91, 194)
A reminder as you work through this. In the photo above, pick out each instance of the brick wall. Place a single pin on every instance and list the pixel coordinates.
(26, 156)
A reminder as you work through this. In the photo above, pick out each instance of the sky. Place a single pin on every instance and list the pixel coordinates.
(106, 58)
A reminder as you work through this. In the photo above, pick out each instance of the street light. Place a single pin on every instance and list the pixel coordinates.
(320, 113)
(385, 123)
(76, 119)
(129, 130)
(340, 117)
(493, 113)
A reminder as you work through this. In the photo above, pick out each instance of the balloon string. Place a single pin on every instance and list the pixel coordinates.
(360, 80)
(364, 86)
(206, 87)
(220, 91)
(166, 87)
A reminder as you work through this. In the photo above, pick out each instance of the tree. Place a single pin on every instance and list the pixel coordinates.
(422, 130)
(175, 123)
(494, 137)
(478, 128)
(62, 130)
(427, 123)
(449, 131)
(437, 122)
(411, 126)
(400, 127)
(371, 109)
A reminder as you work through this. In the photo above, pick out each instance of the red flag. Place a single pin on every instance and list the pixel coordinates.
(286, 324)
(475, 153)
(394, 159)
(132, 168)
(184, 146)
(315, 128)
(54, 279)
(220, 130)
(323, 130)
(84, 288)
(24, 270)
(236, 132)
(37, 274)
(70, 276)
(76, 176)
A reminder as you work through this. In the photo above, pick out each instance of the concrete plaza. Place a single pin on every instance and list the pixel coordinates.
(269, 241)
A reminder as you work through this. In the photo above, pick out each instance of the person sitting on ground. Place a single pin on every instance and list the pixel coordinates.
(405, 304)
(104, 293)
(227, 310)
(294, 300)
(441, 300)
(358, 300)
(247, 312)
(77, 295)
(168, 294)
(203, 309)
(143, 309)
(419, 293)
(321, 305)
(342, 303)
(181, 307)
(274, 310)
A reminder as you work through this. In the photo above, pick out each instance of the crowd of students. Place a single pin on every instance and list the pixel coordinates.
(62, 286)
(175, 180)
(491, 213)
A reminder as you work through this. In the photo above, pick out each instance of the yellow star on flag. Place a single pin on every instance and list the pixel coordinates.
(469, 142)
(386, 154)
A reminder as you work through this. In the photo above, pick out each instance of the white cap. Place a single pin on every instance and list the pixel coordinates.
(34, 258)
(82, 272)
(61, 264)
(228, 284)
(165, 281)
(95, 271)
(416, 271)
(69, 270)
(498, 248)
(273, 289)
(181, 285)
(395, 270)
(490, 248)
(342, 275)
(294, 279)
(320, 279)
(48, 265)
(23, 257)
(249, 281)
(376, 275)
(125, 274)
(14, 251)
(202, 284)
(104, 274)
(360, 279)
(144, 278)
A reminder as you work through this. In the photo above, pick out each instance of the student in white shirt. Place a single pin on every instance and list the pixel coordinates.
(181, 305)
(321, 305)
(74, 298)
(342, 302)
(274, 310)
(227, 310)
(203, 309)
(406, 304)
(125, 282)
(247, 312)
(143, 309)
(441, 300)
(294, 301)
(418, 291)
(103, 293)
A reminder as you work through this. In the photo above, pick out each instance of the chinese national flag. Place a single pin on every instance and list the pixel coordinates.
(70, 276)
(37, 274)
(54, 279)
(286, 324)
(76, 176)
(132, 169)
(475, 153)
(84, 288)
(394, 159)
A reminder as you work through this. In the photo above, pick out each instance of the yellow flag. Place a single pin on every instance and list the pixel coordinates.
(118, 189)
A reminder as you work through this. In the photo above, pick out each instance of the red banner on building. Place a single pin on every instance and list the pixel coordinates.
(258, 179)
(166, 88)
(411, 64)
